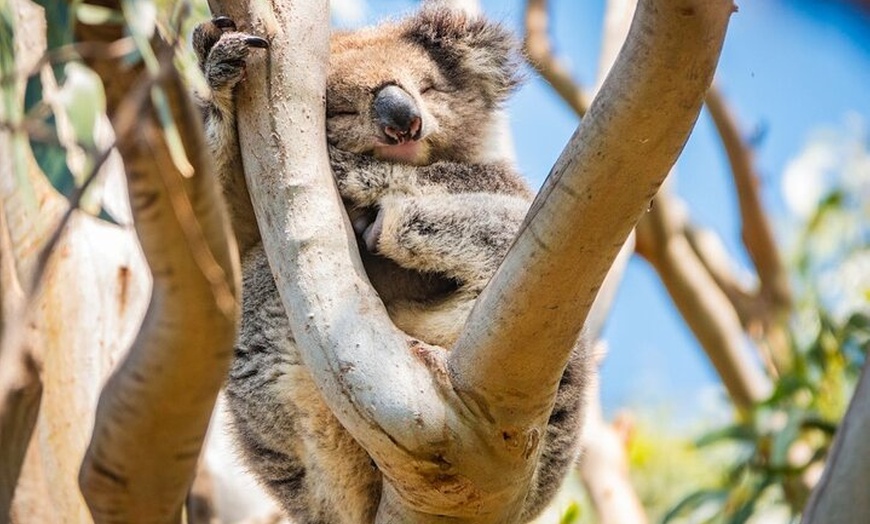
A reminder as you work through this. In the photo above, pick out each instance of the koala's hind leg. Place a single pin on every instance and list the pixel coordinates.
(461, 236)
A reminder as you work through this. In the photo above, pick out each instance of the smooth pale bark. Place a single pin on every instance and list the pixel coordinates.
(20, 383)
(469, 457)
(842, 496)
(373, 377)
(154, 410)
(105, 292)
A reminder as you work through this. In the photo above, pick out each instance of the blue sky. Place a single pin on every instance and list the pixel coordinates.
(789, 68)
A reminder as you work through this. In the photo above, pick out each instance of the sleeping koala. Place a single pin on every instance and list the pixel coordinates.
(410, 106)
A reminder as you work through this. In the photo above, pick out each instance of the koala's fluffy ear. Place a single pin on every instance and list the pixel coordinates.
(471, 52)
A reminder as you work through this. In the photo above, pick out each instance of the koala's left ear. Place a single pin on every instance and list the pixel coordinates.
(470, 51)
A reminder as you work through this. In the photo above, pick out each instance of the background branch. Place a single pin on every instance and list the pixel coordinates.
(701, 302)
(539, 50)
(183, 351)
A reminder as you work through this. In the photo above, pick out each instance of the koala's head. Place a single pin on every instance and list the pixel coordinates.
(421, 90)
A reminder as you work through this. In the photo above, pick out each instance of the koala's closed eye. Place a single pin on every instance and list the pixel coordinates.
(430, 85)
(333, 113)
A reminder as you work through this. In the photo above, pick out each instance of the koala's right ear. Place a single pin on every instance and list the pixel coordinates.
(470, 51)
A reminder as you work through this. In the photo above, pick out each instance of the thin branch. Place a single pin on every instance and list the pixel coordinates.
(757, 231)
(604, 463)
(540, 52)
(708, 247)
(701, 302)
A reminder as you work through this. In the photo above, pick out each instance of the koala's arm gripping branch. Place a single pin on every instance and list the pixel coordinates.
(523, 327)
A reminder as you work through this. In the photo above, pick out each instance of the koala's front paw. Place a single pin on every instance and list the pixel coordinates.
(222, 51)
(357, 177)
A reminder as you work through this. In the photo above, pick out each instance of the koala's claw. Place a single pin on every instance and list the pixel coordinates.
(224, 22)
(256, 41)
(222, 51)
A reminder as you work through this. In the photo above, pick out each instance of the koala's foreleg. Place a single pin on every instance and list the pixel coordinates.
(364, 181)
(222, 51)
(462, 236)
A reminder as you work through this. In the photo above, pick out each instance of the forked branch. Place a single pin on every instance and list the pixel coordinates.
(524, 326)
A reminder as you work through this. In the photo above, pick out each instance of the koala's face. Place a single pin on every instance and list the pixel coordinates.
(421, 90)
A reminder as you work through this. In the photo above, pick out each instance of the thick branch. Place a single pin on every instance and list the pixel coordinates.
(372, 376)
(539, 50)
(159, 400)
(28, 209)
(841, 496)
(524, 325)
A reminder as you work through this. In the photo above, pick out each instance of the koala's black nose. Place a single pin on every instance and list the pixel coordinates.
(397, 114)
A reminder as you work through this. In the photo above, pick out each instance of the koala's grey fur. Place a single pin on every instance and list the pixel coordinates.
(434, 225)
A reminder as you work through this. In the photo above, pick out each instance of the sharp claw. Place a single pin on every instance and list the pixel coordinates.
(256, 41)
(224, 22)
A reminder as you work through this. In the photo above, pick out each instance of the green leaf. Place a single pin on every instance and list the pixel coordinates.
(171, 133)
(50, 156)
(738, 432)
(571, 515)
(91, 14)
(105, 216)
(746, 510)
(83, 101)
(59, 28)
(783, 439)
(694, 501)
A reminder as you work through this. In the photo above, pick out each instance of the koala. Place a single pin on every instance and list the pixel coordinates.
(411, 105)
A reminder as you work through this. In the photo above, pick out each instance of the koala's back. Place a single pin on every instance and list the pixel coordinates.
(288, 436)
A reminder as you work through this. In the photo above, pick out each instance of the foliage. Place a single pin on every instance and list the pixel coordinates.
(784, 440)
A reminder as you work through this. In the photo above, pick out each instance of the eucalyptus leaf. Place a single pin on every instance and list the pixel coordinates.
(571, 515)
(83, 101)
(694, 501)
(59, 28)
(98, 15)
(737, 432)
